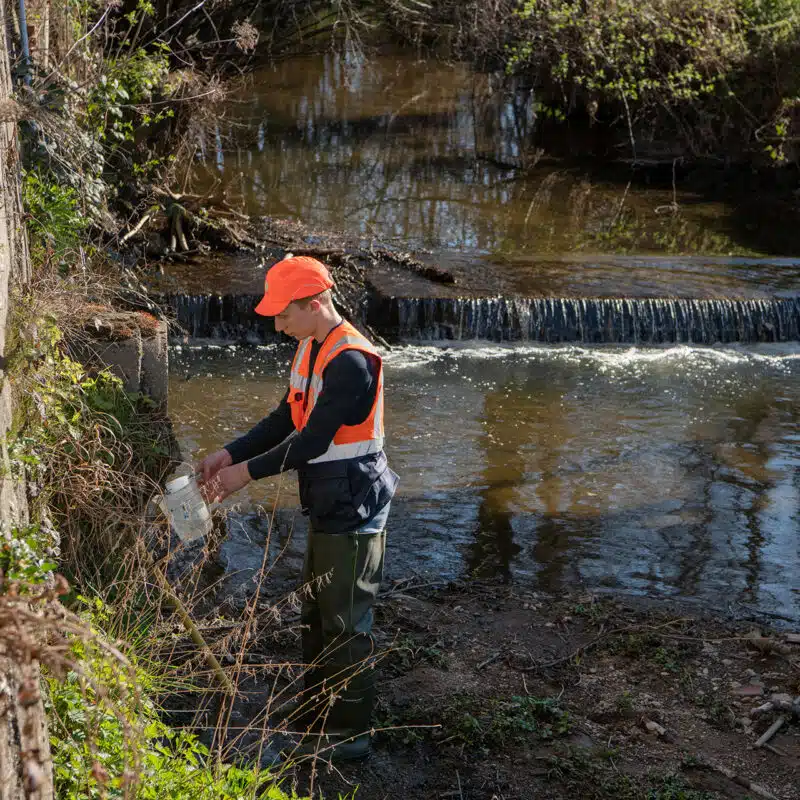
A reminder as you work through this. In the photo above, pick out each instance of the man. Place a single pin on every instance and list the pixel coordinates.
(329, 427)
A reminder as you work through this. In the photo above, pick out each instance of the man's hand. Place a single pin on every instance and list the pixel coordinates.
(227, 481)
(212, 464)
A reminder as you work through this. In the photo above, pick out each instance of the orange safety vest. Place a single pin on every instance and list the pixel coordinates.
(350, 441)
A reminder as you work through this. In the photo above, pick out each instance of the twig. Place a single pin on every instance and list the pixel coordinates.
(771, 731)
(492, 658)
(187, 14)
(630, 125)
(187, 621)
(776, 750)
(139, 225)
(69, 52)
(406, 589)
(179, 230)
(757, 790)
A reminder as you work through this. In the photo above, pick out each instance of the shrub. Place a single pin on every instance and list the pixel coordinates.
(660, 52)
(55, 223)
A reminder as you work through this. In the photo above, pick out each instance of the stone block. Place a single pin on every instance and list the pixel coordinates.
(155, 363)
(123, 358)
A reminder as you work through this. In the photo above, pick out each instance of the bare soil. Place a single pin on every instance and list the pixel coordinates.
(488, 691)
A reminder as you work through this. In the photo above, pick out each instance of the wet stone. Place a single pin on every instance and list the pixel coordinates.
(241, 555)
(782, 701)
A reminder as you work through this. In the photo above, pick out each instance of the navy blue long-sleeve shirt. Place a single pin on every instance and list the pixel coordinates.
(347, 396)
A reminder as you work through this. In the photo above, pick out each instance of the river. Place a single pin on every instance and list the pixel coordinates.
(666, 470)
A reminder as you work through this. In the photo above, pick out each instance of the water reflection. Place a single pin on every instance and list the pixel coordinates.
(436, 156)
(658, 471)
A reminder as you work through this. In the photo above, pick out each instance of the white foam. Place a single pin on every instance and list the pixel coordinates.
(784, 356)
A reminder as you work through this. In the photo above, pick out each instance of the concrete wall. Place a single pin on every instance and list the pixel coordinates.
(25, 765)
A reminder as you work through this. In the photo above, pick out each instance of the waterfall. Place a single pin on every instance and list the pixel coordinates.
(500, 319)
(228, 316)
(590, 320)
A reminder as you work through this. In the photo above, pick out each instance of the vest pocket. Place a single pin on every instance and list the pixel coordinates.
(327, 501)
(340, 496)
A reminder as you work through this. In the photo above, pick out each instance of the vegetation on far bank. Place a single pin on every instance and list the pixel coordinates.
(697, 78)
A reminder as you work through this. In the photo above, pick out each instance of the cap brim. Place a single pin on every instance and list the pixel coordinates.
(270, 307)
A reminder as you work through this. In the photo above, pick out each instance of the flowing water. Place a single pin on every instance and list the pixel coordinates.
(670, 471)
(609, 395)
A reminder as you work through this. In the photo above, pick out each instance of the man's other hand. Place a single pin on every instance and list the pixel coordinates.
(212, 464)
(227, 481)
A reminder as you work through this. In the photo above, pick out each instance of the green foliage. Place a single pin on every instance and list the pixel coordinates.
(107, 741)
(663, 51)
(769, 22)
(521, 717)
(120, 99)
(67, 406)
(26, 555)
(93, 142)
(503, 722)
(716, 74)
(55, 222)
(408, 651)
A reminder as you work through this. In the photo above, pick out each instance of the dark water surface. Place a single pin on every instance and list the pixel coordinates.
(671, 472)
(428, 155)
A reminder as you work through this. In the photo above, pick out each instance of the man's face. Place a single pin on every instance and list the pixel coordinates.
(297, 321)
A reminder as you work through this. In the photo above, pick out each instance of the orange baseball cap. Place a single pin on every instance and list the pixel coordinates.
(292, 279)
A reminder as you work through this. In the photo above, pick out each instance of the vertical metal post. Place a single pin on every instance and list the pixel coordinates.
(26, 49)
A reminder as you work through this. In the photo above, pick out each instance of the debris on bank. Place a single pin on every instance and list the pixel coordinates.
(496, 691)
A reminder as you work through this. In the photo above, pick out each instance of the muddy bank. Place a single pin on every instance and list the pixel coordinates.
(528, 695)
(573, 696)
(491, 691)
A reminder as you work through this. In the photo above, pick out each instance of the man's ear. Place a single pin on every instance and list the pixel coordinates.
(315, 306)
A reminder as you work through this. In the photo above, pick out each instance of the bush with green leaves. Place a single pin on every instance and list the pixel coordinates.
(657, 52)
(55, 223)
(108, 741)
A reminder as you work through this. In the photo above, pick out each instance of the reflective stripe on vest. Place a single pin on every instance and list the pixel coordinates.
(350, 441)
(297, 379)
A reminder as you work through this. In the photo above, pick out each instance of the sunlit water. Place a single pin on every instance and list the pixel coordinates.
(671, 472)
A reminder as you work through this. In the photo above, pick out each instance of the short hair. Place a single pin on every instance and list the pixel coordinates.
(325, 298)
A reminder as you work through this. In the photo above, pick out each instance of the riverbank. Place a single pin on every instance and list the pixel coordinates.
(490, 691)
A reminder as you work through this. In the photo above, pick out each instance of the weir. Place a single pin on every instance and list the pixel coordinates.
(593, 320)
(584, 320)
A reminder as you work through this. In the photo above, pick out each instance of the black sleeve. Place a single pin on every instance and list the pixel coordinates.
(272, 430)
(346, 381)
